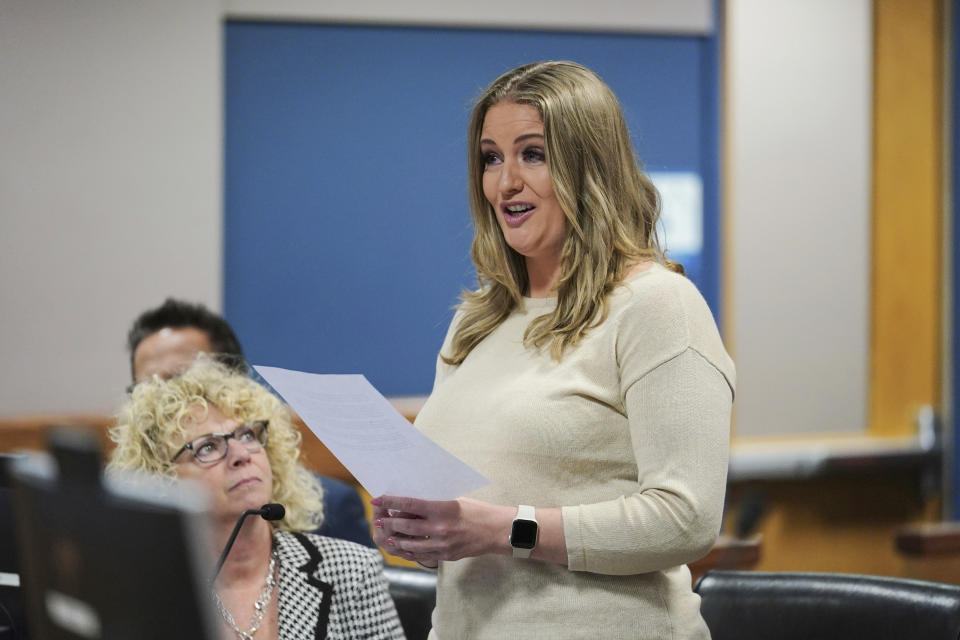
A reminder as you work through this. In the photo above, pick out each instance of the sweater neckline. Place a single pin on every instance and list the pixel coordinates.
(548, 303)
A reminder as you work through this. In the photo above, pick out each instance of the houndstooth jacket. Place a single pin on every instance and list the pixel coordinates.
(334, 589)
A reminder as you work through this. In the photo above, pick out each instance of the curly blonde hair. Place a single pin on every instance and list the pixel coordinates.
(611, 208)
(150, 430)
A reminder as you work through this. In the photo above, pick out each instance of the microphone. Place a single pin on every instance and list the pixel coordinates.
(270, 511)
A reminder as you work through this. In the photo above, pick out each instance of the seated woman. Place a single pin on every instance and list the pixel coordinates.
(235, 437)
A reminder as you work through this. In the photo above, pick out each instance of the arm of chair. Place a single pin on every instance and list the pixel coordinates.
(414, 593)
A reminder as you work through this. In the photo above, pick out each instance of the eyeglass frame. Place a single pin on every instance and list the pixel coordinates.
(251, 424)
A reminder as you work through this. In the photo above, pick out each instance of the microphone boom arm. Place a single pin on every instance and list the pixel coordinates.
(269, 511)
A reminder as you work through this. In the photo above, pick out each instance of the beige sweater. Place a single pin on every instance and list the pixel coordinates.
(629, 434)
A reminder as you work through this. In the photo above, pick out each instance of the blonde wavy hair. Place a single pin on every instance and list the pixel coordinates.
(150, 430)
(611, 209)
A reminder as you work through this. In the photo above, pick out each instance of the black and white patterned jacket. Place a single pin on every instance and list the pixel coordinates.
(334, 589)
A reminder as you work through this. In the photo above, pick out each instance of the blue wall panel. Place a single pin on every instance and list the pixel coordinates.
(346, 231)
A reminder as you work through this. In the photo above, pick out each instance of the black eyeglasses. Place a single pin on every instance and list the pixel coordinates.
(213, 446)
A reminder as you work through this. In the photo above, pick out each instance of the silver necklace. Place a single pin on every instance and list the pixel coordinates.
(259, 607)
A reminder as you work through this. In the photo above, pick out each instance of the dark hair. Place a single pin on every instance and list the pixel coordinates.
(175, 314)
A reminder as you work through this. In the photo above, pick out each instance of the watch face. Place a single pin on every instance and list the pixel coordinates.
(523, 535)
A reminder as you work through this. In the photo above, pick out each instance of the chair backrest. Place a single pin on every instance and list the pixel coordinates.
(748, 605)
(414, 593)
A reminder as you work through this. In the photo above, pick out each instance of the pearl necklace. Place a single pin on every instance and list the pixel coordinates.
(259, 607)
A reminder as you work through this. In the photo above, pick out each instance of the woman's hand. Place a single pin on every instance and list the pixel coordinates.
(428, 531)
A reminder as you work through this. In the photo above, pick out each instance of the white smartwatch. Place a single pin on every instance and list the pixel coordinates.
(525, 531)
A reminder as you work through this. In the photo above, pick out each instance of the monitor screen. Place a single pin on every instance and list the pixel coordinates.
(9, 572)
(12, 614)
(113, 558)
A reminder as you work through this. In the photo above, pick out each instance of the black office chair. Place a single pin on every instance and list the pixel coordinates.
(747, 605)
(414, 593)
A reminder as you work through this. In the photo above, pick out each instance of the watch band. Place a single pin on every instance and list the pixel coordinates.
(528, 518)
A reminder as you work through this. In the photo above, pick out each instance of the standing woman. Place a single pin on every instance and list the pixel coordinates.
(585, 377)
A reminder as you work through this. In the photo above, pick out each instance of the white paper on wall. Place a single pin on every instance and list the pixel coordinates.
(681, 219)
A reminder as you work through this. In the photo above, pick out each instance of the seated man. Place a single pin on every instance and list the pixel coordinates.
(164, 341)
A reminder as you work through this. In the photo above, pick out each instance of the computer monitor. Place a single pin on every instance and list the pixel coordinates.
(109, 558)
(12, 613)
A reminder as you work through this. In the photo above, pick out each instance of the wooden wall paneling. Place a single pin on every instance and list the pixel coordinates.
(907, 213)
(842, 524)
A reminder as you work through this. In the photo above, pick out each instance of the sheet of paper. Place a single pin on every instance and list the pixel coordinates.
(383, 451)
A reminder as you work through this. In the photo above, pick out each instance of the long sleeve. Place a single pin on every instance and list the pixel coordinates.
(679, 418)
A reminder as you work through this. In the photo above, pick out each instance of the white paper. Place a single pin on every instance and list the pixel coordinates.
(383, 451)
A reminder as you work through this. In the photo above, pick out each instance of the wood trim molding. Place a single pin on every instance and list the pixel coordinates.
(907, 214)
